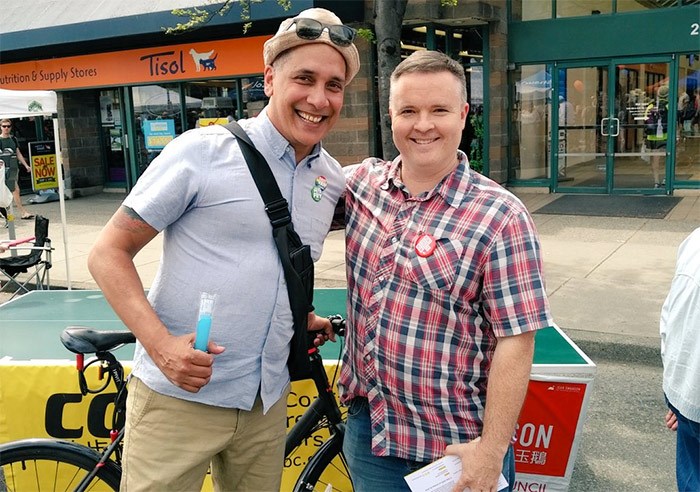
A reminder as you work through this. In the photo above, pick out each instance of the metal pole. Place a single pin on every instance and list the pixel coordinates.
(61, 197)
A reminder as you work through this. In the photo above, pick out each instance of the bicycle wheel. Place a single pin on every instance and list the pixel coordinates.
(326, 470)
(45, 464)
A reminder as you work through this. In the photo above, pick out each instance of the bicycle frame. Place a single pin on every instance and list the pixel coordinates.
(324, 406)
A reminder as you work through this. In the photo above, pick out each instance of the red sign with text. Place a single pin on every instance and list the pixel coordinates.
(547, 427)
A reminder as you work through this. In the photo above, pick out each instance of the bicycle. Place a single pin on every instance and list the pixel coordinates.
(50, 464)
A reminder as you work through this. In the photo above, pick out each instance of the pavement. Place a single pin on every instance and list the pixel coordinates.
(604, 274)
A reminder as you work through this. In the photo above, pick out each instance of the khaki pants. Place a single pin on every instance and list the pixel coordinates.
(169, 444)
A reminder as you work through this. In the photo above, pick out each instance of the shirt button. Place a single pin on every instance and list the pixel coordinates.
(394, 239)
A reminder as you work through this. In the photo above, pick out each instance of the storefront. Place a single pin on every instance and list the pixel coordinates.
(124, 96)
(625, 79)
(120, 106)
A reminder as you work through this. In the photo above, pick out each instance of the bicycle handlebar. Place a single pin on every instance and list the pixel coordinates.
(84, 340)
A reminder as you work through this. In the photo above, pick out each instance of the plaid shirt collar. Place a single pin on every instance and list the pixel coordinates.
(453, 188)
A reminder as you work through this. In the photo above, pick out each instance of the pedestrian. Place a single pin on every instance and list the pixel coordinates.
(680, 353)
(9, 146)
(445, 292)
(187, 408)
(656, 131)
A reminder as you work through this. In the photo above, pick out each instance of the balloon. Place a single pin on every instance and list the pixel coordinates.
(578, 85)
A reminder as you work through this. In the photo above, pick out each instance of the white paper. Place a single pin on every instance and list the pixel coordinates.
(441, 476)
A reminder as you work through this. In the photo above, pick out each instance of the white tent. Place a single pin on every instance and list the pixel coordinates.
(18, 104)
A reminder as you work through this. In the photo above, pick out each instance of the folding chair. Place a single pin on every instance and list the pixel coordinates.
(35, 264)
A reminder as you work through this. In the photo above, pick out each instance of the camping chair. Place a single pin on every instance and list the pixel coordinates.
(35, 264)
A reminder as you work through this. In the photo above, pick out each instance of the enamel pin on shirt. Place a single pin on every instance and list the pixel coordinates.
(425, 245)
(320, 184)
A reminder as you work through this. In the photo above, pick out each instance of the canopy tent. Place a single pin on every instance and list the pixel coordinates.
(18, 104)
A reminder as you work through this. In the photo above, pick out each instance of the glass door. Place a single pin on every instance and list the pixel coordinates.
(613, 127)
(582, 131)
(640, 126)
(112, 134)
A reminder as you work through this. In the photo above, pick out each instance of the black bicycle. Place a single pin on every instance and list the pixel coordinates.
(49, 464)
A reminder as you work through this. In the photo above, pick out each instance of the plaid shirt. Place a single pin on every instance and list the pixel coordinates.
(422, 330)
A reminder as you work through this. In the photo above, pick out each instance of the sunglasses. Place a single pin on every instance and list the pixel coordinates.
(6, 126)
(310, 29)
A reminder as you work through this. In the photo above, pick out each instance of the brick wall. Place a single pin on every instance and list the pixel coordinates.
(80, 142)
(350, 141)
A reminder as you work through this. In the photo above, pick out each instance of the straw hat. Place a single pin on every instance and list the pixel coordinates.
(286, 39)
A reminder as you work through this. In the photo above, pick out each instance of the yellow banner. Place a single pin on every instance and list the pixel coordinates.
(45, 401)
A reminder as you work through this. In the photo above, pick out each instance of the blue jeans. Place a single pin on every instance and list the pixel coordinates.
(687, 453)
(385, 473)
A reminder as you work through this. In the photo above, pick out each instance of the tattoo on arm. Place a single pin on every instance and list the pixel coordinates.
(129, 220)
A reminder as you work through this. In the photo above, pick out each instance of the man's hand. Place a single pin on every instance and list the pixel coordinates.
(316, 323)
(671, 420)
(481, 467)
(184, 366)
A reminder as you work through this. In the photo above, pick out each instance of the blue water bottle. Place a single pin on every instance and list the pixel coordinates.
(206, 307)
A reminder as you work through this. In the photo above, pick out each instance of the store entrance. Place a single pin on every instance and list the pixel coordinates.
(613, 127)
(112, 133)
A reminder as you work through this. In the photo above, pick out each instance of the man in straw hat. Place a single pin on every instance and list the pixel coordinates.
(189, 408)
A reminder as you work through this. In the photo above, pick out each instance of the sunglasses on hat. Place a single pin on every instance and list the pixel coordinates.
(340, 35)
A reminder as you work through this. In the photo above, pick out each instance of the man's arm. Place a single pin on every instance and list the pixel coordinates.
(21, 159)
(111, 263)
(482, 458)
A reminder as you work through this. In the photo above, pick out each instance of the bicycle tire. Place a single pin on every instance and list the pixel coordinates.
(46, 464)
(326, 466)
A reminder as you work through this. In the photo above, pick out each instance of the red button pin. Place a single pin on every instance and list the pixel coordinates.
(425, 245)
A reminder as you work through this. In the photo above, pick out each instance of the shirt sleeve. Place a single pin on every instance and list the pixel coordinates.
(170, 184)
(514, 290)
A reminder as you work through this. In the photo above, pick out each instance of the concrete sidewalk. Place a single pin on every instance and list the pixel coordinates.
(606, 275)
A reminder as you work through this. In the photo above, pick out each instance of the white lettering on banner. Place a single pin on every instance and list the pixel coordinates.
(695, 29)
(521, 486)
(540, 435)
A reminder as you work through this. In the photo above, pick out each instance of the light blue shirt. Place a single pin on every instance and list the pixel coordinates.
(218, 239)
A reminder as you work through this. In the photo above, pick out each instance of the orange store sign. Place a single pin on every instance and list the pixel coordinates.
(205, 60)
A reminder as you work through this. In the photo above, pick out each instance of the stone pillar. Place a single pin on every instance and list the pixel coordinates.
(79, 134)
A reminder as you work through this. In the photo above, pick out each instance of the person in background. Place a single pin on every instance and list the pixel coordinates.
(656, 129)
(187, 408)
(680, 353)
(10, 146)
(445, 293)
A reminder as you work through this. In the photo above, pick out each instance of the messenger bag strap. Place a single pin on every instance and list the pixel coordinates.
(277, 210)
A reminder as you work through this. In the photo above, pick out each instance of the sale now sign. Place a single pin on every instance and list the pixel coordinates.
(42, 156)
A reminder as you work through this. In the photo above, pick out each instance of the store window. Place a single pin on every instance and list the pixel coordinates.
(581, 8)
(214, 102)
(528, 10)
(111, 115)
(530, 120)
(688, 116)
(164, 111)
(157, 119)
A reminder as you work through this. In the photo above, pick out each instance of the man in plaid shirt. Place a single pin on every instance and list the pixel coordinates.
(445, 293)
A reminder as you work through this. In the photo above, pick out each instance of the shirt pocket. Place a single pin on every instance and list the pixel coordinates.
(437, 271)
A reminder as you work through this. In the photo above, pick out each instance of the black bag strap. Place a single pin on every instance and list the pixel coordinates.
(277, 210)
(276, 206)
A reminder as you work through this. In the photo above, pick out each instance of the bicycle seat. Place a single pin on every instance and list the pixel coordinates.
(81, 340)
